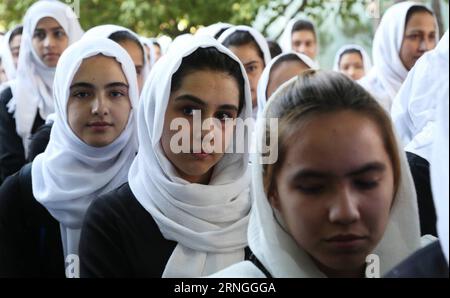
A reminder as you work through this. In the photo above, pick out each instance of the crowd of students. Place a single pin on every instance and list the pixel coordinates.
(91, 124)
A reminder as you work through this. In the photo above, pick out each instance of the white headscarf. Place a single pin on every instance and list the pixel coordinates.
(70, 173)
(106, 31)
(278, 251)
(209, 222)
(213, 29)
(32, 90)
(7, 58)
(414, 108)
(258, 37)
(439, 167)
(265, 77)
(388, 73)
(365, 57)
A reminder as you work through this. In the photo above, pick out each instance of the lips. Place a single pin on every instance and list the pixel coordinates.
(346, 241)
(51, 55)
(99, 124)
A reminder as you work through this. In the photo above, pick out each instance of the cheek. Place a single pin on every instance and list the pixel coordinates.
(37, 46)
(75, 116)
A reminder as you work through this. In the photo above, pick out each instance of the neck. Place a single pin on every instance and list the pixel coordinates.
(202, 179)
(351, 273)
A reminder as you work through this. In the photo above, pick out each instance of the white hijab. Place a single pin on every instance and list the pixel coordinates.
(414, 108)
(32, 90)
(258, 37)
(70, 174)
(278, 251)
(439, 167)
(209, 222)
(388, 73)
(365, 57)
(213, 29)
(106, 31)
(265, 77)
(6, 55)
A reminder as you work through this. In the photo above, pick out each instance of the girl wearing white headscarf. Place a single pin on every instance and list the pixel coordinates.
(141, 62)
(389, 71)
(358, 70)
(160, 224)
(263, 83)
(309, 47)
(25, 106)
(238, 38)
(413, 113)
(54, 192)
(432, 260)
(6, 55)
(276, 251)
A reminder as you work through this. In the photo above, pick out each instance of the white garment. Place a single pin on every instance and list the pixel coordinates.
(439, 167)
(106, 31)
(258, 37)
(265, 77)
(213, 29)
(7, 58)
(32, 90)
(365, 57)
(388, 72)
(70, 174)
(209, 222)
(414, 108)
(278, 251)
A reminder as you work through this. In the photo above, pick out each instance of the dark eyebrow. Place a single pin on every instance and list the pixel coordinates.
(51, 29)
(194, 99)
(116, 84)
(87, 85)
(251, 62)
(307, 173)
(370, 167)
(229, 107)
(82, 85)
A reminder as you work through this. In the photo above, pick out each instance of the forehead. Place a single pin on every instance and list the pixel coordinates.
(422, 21)
(247, 52)
(351, 57)
(336, 143)
(303, 35)
(133, 50)
(100, 70)
(47, 23)
(212, 87)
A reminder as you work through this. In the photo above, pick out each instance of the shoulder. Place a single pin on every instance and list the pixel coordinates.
(428, 261)
(5, 95)
(245, 269)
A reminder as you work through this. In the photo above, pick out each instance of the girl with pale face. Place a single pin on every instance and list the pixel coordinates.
(99, 105)
(338, 195)
(49, 41)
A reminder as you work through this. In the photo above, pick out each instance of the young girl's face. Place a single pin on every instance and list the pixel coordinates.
(335, 189)
(49, 41)
(352, 65)
(99, 105)
(419, 37)
(254, 66)
(210, 94)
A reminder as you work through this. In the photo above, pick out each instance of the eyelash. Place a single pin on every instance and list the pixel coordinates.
(41, 35)
(222, 116)
(84, 94)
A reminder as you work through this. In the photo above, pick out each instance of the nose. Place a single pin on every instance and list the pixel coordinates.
(344, 208)
(100, 106)
(49, 41)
